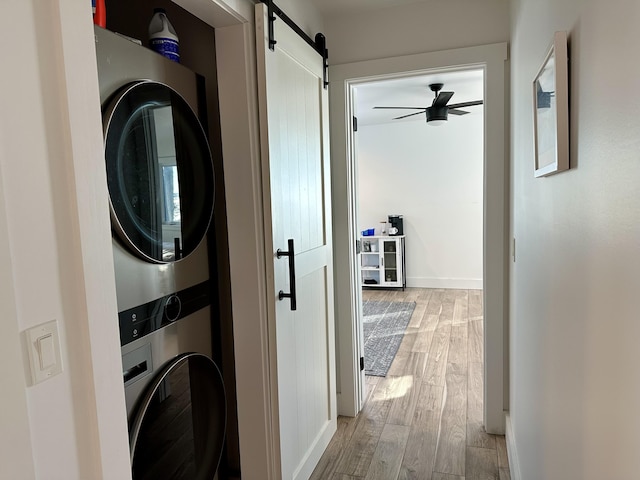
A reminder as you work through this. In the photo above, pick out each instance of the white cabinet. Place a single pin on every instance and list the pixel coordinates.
(382, 261)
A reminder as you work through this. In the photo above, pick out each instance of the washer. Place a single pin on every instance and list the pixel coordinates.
(160, 179)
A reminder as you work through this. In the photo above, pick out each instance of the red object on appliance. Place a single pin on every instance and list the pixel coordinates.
(100, 14)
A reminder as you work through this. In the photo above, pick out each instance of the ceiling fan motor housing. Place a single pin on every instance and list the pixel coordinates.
(437, 113)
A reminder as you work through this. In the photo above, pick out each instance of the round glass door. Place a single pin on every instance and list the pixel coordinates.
(178, 430)
(159, 172)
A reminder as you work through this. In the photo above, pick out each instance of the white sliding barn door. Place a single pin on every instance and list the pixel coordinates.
(296, 182)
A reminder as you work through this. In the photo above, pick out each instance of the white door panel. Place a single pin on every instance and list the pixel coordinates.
(295, 156)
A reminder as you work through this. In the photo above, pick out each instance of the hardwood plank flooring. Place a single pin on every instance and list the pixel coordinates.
(476, 436)
(423, 421)
(404, 406)
(357, 457)
(451, 450)
(420, 454)
(482, 464)
(388, 455)
(503, 460)
(505, 474)
(444, 476)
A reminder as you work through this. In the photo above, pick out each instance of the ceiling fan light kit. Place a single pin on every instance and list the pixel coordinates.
(437, 115)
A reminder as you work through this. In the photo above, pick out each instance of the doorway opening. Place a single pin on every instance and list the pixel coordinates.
(431, 174)
(345, 78)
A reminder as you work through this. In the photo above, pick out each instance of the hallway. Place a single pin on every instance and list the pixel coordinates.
(423, 421)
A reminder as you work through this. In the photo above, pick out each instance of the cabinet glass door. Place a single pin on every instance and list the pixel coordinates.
(390, 261)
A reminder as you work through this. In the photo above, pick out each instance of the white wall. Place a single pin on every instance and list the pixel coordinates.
(433, 177)
(416, 28)
(54, 195)
(575, 326)
(305, 14)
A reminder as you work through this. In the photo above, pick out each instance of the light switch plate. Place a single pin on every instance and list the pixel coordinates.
(43, 345)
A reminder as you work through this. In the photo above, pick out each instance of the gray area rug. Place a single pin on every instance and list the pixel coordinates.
(384, 325)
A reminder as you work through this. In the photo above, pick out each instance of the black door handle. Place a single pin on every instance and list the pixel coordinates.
(292, 275)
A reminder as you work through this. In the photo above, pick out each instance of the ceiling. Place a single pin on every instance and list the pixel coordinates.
(414, 91)
(337, 7)
(407, 91)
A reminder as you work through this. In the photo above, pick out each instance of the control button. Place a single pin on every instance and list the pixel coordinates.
(172, 308)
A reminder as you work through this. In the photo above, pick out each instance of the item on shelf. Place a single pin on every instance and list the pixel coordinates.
(370, 281)
(369, 232)
(396, 223)
(162, 36)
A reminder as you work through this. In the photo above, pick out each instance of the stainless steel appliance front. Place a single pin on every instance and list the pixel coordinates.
(163, 295)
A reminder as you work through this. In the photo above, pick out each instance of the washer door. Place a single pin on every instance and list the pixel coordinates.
(159, 172)
(178, 430)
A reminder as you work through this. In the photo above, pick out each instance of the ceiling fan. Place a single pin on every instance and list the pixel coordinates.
(438, 112)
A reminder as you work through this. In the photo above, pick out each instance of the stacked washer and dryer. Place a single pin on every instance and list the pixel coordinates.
(160, 179)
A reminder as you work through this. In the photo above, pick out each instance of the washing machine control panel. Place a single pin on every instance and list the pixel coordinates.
(139, 321)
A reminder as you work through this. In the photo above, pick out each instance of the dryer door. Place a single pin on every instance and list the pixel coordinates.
(178, 430)
(159, 172)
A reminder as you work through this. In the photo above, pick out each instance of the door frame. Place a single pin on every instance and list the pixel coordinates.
(237, 83)
(492, 59)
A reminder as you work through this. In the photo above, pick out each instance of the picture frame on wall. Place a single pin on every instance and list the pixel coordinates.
(551, 110)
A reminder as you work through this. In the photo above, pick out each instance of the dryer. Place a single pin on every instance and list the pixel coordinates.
(160, 180)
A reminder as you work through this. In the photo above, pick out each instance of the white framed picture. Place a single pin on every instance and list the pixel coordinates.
(551, 110)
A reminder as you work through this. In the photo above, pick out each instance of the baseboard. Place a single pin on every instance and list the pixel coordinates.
(512, 453)
(458, 283)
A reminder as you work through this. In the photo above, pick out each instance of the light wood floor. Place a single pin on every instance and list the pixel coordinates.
(423, 421)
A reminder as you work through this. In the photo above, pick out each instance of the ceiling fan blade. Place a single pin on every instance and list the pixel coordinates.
(442, 99)
(465, 104)
(409, 115)
(455, 111)
(410, 108)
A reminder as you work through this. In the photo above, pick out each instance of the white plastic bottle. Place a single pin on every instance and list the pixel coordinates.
(162, 36)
